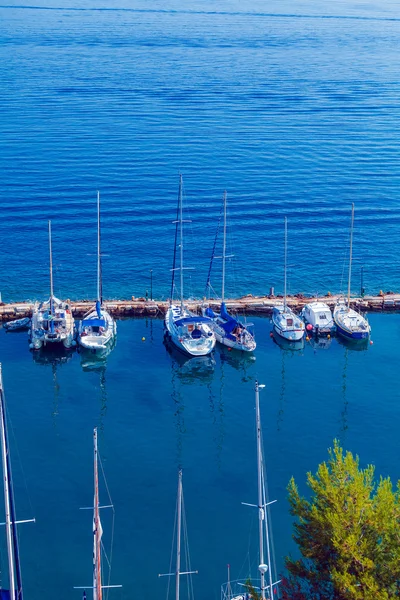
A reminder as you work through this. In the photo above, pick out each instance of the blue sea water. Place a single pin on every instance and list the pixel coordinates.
(155, 413)
(291, 107)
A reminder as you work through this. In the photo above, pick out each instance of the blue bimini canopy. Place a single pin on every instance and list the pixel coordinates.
(210, 313)
(93, 323)
(186, 320)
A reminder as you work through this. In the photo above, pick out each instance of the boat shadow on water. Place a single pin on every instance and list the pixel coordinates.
(290, 346)
(96, 360)
(55, 355)
(241, 361)
(354, 345)
(190, 369)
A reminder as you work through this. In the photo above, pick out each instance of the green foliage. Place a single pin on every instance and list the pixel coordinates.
(348, 534)
(250, 589)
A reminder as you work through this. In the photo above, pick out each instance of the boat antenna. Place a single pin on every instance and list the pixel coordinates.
(99, 273)
(51, 270)
(14, 566)
(285, 267)
(351, 254)
(224, 253)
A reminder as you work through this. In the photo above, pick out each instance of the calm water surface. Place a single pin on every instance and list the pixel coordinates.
(295, 112)
(156, 412)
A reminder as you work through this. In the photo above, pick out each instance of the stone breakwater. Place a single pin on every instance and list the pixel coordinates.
(251, 305)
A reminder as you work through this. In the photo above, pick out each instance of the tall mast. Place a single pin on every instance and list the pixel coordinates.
(285, 266)
(261, 503)
(351, 254)
(4, 451)
(11, 524)
(51, 265)
(181, 235)
(97, 529)
(99, 283)
(224, 251)
(178, 536)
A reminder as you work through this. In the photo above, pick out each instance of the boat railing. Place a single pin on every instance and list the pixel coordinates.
(239, 589)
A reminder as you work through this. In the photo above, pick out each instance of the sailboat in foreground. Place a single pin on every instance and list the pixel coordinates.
(238, 590)
(350, 323)
(15, 591)
(228, 330)
(180, 519)
(97, 328)
(189, 332)
(52, 321)
(98, 586)
(286, 323)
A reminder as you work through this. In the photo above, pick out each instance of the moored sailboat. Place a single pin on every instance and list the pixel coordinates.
(97, 329)
(350, 323)
(191, 333)
(286, 323)
(228, 330)
(52, 321)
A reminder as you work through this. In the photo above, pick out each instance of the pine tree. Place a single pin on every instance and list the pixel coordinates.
(348, 534)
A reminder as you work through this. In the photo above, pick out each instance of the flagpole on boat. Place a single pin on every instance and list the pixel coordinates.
(351, 254)
(224, 252)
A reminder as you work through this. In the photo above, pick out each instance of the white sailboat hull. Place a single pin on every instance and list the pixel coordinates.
(350, 324)
(52, 325)
(181, 326)
(287, 324)
(97, 333)
(240, 338)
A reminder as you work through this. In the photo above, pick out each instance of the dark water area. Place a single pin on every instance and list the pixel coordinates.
(157, 412)
(292, 108)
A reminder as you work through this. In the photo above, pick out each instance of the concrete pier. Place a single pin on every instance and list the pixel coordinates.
(251, 305)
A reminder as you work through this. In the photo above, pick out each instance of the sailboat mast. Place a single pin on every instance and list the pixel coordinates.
(351, 254)
(178, 536)
(97, 530)
(51, 262)
(285, 266)
(181, 235)
(261, 503)
(6, 482)
(99, 284)
(224, 252)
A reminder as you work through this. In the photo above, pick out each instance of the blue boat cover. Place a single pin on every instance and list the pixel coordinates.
(93, 323)
(231, 322)
(98, 308)
(210, 313)
(185, 320)
(4, 595)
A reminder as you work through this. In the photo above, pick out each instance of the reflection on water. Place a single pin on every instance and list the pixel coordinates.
(287, 345)
(241, 361)
(355, 345)
(96, 360)
(55, 357)
(344, 422)
(190, 369)
(320, 343)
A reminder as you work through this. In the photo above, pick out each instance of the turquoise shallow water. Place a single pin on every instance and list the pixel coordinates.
(293, 108)
(156, 413)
